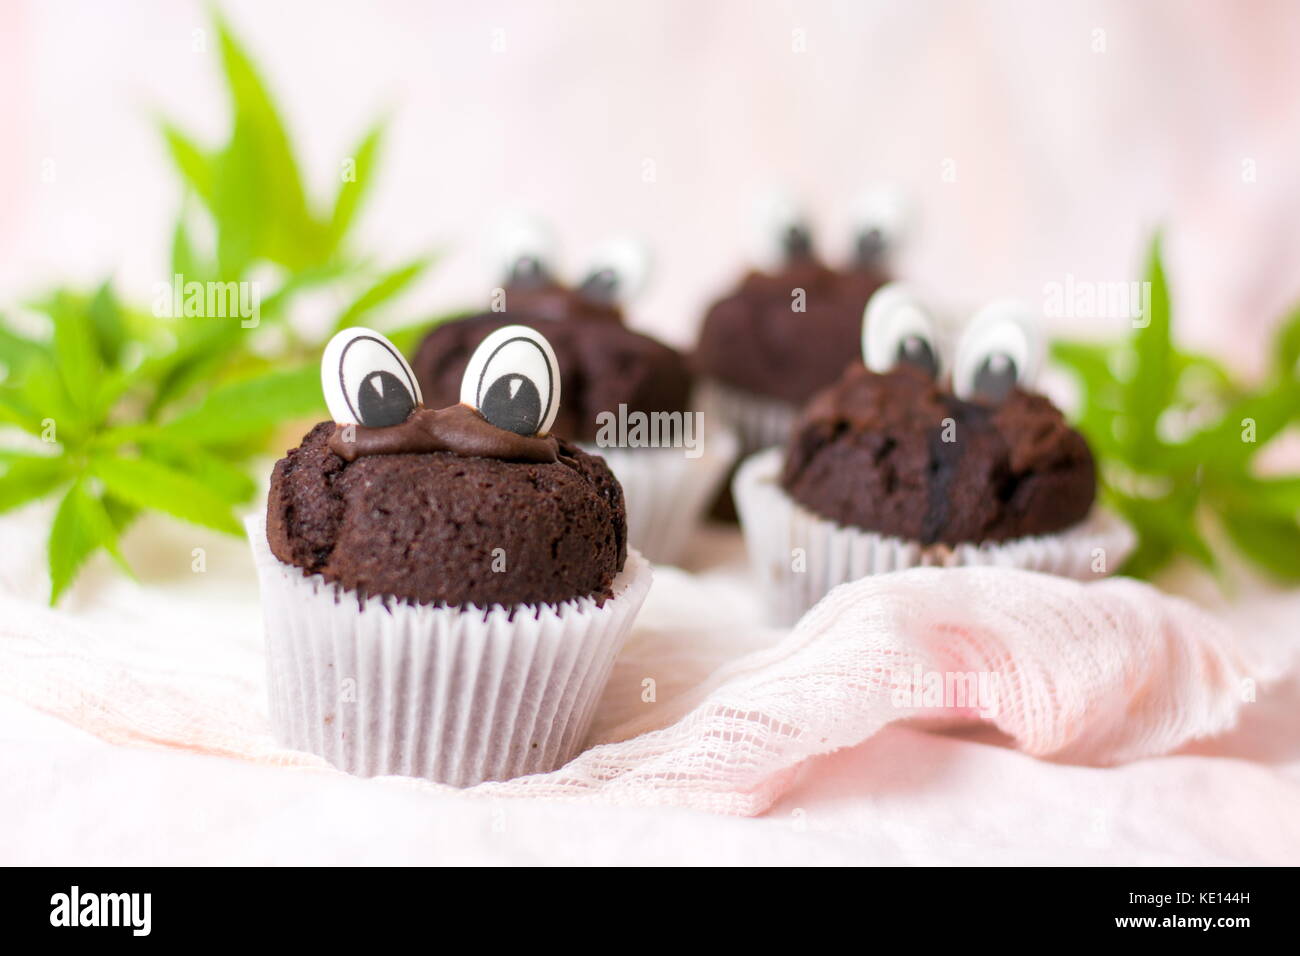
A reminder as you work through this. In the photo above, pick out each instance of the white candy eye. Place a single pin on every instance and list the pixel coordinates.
(525, 249)
(897, 329)
(616, 271)
(880, 216)
(1002, 347)
(514, 381)
(781, 232)
(366, 380)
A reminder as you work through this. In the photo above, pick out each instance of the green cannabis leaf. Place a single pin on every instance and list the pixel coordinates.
(1176, 437)
(251, 191)
(127, 409)
(104, 437)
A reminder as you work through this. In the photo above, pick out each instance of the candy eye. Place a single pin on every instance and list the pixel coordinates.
(897, 330)
(525, 248)
(880, 218)
(514, 381)
(782, 233)
(616, 271)
(366, 381)
(1000, 349)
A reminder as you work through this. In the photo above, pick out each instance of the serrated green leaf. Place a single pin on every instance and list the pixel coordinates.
(70, 544)
(17, 350)
(247, 407)
(185, 260)
(27, 478)
(1246, 426)
(1148, 394)
(225, 480)
(1276, 497)
(105, 315)
(154, 487)
(190, 160)
(77, 352)
(14, 410)
(1154, 548)
(1271, 542)
(43, 400)
(261, 158)
(353, 190)
(1286, 348)
(1149, 557)
(1166, 525)
(81, 527)
(386, 287)
(120, 513)
(237, 199)
(202, 347)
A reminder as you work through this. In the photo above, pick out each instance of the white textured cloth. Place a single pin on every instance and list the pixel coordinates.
(743, 720)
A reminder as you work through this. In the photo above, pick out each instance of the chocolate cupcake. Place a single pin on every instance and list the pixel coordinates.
(612, 378)
(445, 590)
(894, 467)
(789, 329)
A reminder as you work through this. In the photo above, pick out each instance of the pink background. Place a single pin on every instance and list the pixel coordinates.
(1064, 157)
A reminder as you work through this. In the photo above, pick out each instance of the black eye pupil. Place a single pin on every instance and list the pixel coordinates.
(528, 270)
(995, 377)
(870, 247)
(512, 402)
(383, 400)
(916, 351)
(600, 286)
(797, 243)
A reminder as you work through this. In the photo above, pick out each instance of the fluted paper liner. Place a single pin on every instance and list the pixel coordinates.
(666, 492)
(456, 696)
(758, 421)
(831, 554)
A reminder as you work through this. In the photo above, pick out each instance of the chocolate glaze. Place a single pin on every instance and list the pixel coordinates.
(459, 429)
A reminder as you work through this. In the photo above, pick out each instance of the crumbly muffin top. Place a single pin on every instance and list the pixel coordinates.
(446, 528)
(755, 340)
(899, 455)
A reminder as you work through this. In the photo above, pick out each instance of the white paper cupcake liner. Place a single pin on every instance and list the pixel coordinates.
(781, 534)
(759, 422)
(455, 696)
(666, 492)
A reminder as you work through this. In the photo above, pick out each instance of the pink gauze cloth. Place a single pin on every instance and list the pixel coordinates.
(1096, 673)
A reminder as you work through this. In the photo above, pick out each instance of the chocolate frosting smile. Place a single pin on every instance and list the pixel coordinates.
(459, 429)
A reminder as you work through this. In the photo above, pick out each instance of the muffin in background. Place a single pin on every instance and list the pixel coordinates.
(611, 374)
(893, 466)
(792, 324)
(445, 590)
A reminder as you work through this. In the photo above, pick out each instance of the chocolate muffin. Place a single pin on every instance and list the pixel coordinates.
(871, 452)
(538, 295)
(444, 590)
(625, 393)
(754, 340)
(603, 363)
(432, 528)
(789, 328)
(911, 460)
